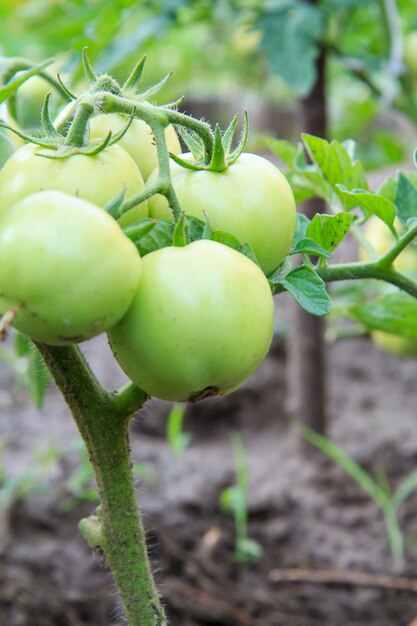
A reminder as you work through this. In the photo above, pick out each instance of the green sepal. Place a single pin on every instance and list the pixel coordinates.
(160, 236)
(47, 124)
(218, 161)
(180, 237)
(88, 68)
(9, 88)
(135, 75)
(135, 232)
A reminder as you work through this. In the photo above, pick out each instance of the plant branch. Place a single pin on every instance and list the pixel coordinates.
(354, 271)
(401, 243)
(117, 530)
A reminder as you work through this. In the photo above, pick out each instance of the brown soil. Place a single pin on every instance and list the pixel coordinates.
(305, 512)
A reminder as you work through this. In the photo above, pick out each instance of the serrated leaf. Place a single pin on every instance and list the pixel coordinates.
(195, 228)
(335, 162)
(370, 203)
(308, 289)
(283, 149)
(329, 230)
(308, 246)
(301, 225)
(38, 377)
(405, 199)
(309, 183)
(291, 32)
(226, 239)
(393, 313)
(159, 237)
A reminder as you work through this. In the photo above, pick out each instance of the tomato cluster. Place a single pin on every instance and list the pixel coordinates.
(185, 321)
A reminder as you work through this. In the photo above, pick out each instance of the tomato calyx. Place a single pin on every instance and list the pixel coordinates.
(219, 155)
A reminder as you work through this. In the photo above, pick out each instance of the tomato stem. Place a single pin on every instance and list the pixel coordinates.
(116, 530)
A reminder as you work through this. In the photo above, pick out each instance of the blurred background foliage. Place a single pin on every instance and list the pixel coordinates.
(230, 54)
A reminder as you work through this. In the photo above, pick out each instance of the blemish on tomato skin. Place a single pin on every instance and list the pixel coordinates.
(208, 392)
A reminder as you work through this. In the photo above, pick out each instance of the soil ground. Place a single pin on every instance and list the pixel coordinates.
(303, 509)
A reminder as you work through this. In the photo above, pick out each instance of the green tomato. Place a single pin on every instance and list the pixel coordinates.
(200, 323)
(251, 200)
(396, 344)
(66, 268)
(381, 239)
(410, 52)
(138, 141)
(96, 178)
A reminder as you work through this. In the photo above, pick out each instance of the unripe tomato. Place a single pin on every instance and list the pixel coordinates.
(199, 325)
(381, 239)
(410, 52)
(65, 266)
(396, 344)
(96, 178)
(251, 200)
(138, 141)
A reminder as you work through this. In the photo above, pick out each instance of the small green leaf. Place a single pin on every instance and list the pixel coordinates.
(393, 313)
(335, 162)
(160, 236)
(308, 289)
(370, 203)
(284, 150)
(405, 199)
(38, 377)
(195, 228)
(226, 239)
(329, 230)
(247, 251)
(301, 225)
(135, 232)
(308, 246)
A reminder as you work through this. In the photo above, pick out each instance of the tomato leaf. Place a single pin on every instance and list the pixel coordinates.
(160, 236)
(297, 27)
(284, 150)
(136, 231)
(405, 199)
(195, 228)
(308, 246)
(226, 239)
(393, 313)
(370, 203)
(336, 163)
(38, 377)
(307, 289)
(329, 230)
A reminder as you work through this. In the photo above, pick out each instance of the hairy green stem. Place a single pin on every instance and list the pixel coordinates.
(401, 243)
(116, 531)
(78, 128)
(352, 271)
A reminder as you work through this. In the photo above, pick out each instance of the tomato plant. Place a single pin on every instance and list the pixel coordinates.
(184, 338)
(66, 268)
(98, 178)
(410, 52)
(193, 317)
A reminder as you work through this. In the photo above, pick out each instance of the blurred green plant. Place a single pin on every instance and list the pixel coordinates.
(234, 501)
(177, 439)
(378, 489)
